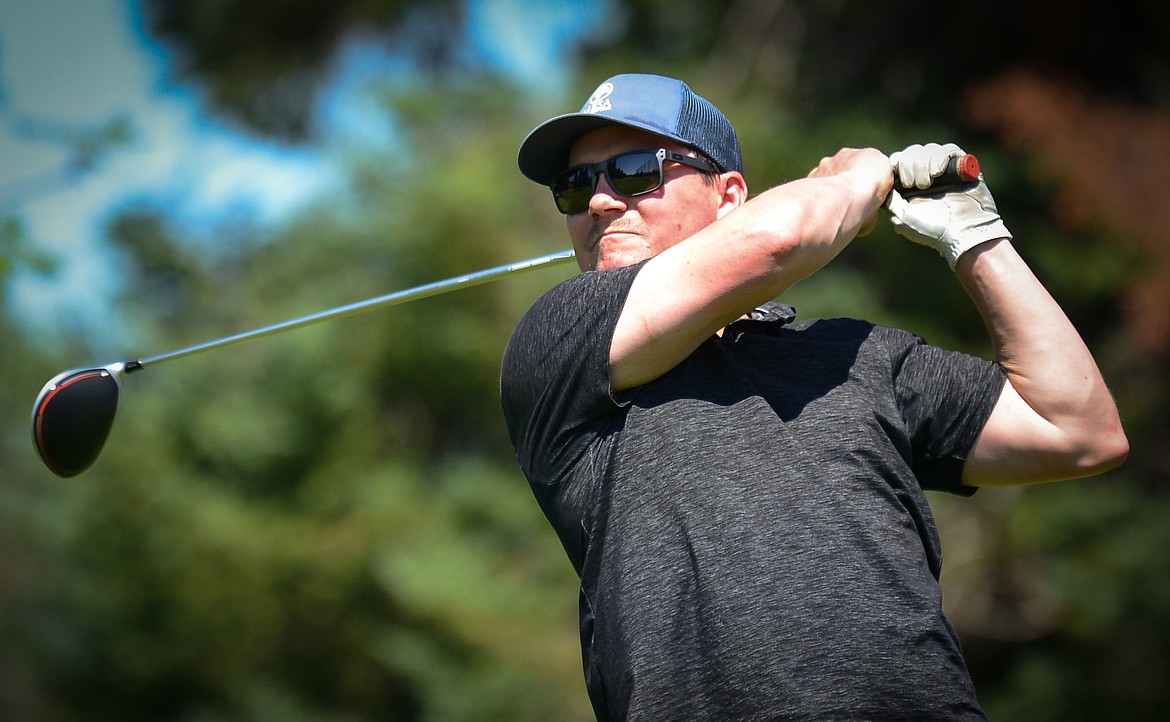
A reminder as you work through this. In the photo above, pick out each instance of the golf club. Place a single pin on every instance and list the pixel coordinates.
(74, 412)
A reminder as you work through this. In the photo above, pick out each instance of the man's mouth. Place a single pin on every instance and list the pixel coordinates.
(596, 238)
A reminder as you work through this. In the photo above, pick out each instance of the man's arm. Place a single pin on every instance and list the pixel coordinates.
(748, 256)
(1055, 418)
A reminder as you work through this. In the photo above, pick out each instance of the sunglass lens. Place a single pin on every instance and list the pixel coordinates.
(633, 174)
(629, 174)
(573, 188)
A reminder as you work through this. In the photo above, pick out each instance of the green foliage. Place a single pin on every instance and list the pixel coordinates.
(16, 253)
(1088, 561)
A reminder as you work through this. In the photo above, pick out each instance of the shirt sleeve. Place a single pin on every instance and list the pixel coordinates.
(945, 399)
(554, 380)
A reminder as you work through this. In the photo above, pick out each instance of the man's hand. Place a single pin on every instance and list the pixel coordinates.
(951, 223)
(866, 166)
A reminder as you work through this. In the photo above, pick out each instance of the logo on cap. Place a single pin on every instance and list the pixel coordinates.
(599, 101)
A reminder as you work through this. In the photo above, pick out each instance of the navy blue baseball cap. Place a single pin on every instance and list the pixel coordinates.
(663, 106)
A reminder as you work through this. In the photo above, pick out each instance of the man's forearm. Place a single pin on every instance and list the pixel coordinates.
(1075, 429)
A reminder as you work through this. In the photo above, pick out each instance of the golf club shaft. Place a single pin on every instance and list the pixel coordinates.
(391, 299)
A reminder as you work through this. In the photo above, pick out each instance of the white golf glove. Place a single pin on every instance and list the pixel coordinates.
(951, 223)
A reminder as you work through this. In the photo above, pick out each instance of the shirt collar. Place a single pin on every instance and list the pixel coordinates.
(773, 312)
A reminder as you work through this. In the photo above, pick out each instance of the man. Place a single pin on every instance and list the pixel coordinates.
(741, 494)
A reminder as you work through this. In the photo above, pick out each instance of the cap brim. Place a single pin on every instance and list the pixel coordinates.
(545, 152)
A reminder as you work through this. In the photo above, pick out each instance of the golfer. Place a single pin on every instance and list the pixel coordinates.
(740, 491)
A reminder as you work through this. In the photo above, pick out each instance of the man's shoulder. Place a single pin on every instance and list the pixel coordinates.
(581, 299)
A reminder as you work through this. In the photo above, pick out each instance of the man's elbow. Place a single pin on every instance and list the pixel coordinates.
(1094, 441)
(1107, 449)
(1099, 442)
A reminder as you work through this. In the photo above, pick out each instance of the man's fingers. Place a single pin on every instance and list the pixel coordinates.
(918, 165)
(896, 204)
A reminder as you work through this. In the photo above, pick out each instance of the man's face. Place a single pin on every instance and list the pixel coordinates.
(617, 231)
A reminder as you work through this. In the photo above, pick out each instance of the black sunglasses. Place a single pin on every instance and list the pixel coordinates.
(629, 174)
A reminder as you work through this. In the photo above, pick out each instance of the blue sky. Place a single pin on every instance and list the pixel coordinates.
(86, 62)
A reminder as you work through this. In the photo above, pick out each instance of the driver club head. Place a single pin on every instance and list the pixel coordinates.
(72, 417)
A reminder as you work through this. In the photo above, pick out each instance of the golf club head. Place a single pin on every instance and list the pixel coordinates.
(72, 417)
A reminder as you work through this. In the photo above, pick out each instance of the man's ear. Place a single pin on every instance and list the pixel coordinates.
(734, 192)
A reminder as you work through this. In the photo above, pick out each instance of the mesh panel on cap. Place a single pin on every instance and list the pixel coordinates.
(718, 141)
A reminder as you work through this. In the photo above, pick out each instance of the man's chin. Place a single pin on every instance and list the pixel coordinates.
(608, 262)
(611, 255)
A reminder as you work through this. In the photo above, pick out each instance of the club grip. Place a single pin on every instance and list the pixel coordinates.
(961, 170)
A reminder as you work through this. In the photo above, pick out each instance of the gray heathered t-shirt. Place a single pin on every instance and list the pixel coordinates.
(750, 529)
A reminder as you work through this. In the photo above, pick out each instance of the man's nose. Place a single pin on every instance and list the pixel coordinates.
(604, 197)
